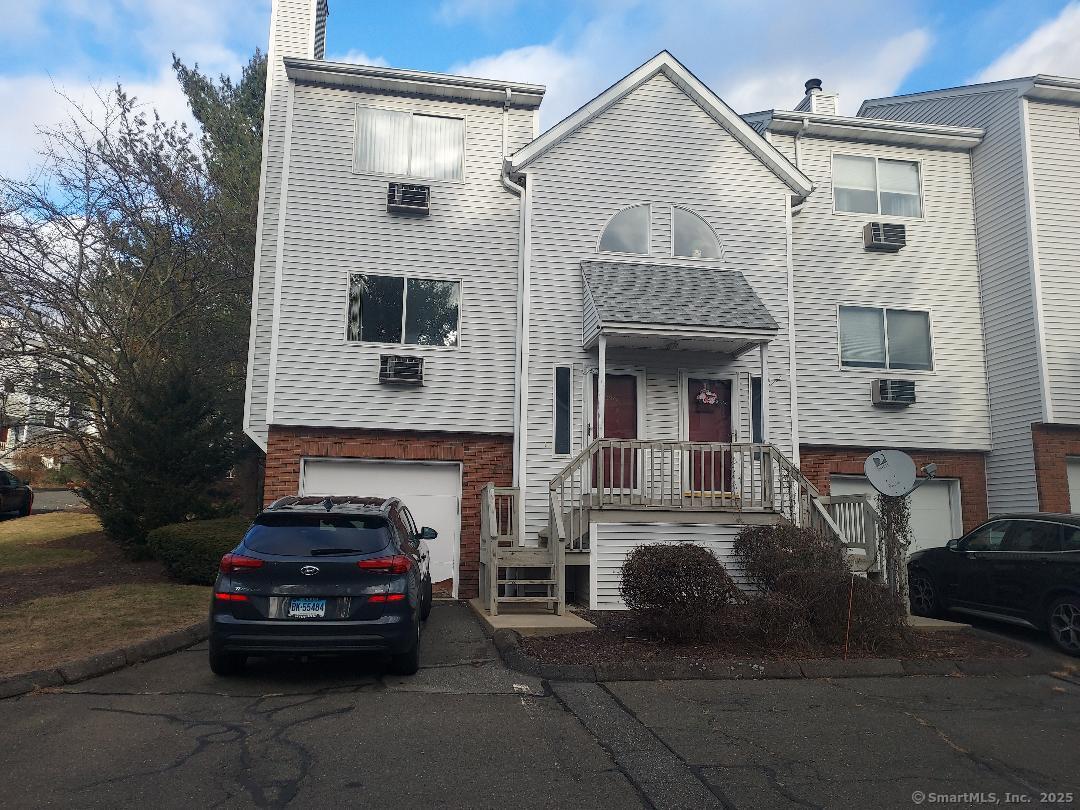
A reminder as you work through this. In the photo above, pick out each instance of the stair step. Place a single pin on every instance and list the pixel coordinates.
(528, 599)
(528, 582)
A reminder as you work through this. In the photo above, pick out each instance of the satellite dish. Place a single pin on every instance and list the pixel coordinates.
(891, 472)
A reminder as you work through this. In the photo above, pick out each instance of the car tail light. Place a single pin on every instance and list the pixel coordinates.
(398, 564)
(230, 597)
(387, 597)
(231, 563)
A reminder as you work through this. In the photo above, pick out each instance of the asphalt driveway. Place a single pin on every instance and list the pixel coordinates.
(467, 732)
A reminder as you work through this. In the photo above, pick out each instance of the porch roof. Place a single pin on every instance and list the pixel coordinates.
(673, 306)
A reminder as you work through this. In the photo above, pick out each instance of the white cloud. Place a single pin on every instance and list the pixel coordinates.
(1052, 48)
(753, 57)
(357, 58)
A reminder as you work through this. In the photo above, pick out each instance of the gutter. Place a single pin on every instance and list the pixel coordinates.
(797, 209)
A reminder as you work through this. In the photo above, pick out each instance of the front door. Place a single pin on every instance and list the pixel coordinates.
(620, 422)
(709, 420)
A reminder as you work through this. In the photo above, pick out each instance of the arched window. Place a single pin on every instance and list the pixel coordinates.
(692, 236)
(627, 231)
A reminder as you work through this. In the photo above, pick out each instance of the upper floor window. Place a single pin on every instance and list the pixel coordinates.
(868, 185)
(872, 337)
(627, 231)
(424, 146)
(692, 237)
(392, 309)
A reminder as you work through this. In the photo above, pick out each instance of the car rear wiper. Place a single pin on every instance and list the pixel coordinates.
(323, 552)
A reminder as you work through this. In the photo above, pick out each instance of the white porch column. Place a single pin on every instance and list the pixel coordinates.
(601, 385)
(763, 353)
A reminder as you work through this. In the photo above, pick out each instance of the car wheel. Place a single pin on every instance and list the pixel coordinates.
(1063, 623)
(408, 662)
(224, 663)
(25, 510)
(426, 600)
(923, 595)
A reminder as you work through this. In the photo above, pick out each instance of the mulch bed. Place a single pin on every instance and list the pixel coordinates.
(617, 640)
(108, 567)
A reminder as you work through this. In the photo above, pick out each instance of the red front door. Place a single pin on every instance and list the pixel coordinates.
(620, 422)
(709, 420)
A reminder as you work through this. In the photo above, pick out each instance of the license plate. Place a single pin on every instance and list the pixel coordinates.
(307, 608)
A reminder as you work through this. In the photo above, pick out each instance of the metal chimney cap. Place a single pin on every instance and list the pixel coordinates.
(812, 85)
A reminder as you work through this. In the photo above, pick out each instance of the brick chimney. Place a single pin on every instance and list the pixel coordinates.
(817, 101)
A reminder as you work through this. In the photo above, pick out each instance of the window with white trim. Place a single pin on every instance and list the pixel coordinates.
(627, 231)
(876, 337)
(562, 419)
(430, 147)
(870, 185)
(692, 237)
(394, 309)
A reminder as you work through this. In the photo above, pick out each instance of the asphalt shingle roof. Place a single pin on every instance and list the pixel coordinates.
(680, 296)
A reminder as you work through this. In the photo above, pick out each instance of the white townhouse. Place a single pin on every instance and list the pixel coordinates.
(656, 320)
(1026, 177)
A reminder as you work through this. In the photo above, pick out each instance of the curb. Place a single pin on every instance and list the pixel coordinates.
(508, 643)
(81, 669)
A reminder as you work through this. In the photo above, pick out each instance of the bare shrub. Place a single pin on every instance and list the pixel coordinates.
(677, 591)
(775, 620)
(767, 552)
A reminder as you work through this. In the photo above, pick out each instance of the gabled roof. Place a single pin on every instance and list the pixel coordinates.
(874, 130)
(682, 78)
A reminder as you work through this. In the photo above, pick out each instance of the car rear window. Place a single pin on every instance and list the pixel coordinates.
(311, 535)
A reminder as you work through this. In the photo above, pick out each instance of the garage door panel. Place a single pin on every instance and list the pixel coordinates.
(1073, 467)
(935, 508)
(432, 492)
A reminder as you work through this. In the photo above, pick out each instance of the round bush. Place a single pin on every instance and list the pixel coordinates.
(191, 551)
(677, 591)
(768, 551)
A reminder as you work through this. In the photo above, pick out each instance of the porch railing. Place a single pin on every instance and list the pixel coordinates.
(860, 524)
(680, 475)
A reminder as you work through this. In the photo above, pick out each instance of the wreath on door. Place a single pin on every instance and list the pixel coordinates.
(706, 397)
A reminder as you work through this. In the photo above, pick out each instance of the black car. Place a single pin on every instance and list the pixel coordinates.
(319, 576)
(1023, 569)
(16, 497)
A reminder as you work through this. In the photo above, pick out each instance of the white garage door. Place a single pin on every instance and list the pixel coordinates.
(432, 491)
(1074, 484)
(935, 508)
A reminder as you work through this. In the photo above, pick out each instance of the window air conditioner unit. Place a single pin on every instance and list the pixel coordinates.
(886, 237)
(892, 393)
(406, 198)
(401, 369)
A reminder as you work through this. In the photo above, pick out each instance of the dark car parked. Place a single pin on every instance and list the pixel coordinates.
(319, 576)
(16, 497)
(1023, 569)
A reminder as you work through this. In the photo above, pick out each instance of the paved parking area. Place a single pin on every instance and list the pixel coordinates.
(466, 732)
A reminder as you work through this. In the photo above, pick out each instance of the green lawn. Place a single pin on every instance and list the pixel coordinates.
(25, 542)
(48, 631)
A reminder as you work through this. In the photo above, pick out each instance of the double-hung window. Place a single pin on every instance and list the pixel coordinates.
(873, 337)
(867, 185)
(393, 309)
(430, 147)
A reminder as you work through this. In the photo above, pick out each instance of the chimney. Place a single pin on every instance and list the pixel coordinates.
(817, 101)
(322, 11)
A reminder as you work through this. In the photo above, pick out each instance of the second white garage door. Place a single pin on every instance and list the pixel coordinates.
(432, 491)
(1073, 468)
(935, 508)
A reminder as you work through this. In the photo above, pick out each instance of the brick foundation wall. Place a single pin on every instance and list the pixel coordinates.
(818, 463)
(1053, 444)
(483, 457)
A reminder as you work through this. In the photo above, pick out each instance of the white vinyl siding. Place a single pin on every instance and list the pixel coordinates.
(937, 270)
(338, 224)
(614, 541)
(654, 145)
(1009, 327)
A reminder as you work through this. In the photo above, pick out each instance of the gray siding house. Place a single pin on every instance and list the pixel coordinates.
(1025, 175)
(657, 320)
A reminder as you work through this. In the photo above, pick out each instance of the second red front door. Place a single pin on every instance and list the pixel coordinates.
(709, 420)
(620, 422)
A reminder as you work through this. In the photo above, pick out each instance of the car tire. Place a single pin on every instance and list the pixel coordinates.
(426, 600)
(408, 662)
(923, 595)
(1063, 624)
(25, 510)
(225, 664)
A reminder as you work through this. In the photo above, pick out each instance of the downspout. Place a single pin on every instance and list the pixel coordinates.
(797, 209)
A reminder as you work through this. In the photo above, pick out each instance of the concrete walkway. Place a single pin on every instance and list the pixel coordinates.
(468, 733)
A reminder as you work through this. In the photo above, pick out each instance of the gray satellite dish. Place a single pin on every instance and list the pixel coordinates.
(891, 472)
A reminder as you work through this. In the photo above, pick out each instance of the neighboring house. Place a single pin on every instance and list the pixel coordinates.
(1026, 175)
(656, 320)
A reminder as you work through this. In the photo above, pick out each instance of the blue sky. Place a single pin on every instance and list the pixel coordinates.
(755, 53)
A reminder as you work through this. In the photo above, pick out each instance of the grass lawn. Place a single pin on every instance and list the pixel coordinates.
(53, 629)
(25, 543)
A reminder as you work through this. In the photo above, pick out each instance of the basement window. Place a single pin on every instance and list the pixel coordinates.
(398, 310)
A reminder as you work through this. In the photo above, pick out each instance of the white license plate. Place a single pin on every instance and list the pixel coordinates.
(307, 608)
